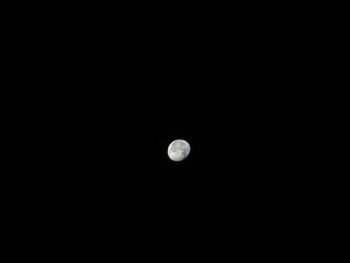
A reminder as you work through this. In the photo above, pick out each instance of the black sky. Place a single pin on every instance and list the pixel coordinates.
(94, 132)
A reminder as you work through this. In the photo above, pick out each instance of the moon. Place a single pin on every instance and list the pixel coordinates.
(178, 150)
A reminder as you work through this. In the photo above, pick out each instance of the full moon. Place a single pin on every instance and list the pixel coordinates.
(178, 150)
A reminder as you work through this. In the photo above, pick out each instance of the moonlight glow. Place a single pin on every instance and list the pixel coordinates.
(178, 150)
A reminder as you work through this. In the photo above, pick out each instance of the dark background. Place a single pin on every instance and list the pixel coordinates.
(94, 126)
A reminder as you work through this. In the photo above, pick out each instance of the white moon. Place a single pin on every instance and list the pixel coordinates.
(178, 150)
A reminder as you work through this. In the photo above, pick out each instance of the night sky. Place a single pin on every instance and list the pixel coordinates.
(94, 131)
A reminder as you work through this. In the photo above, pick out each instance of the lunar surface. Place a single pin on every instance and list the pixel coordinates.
(178, 150)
